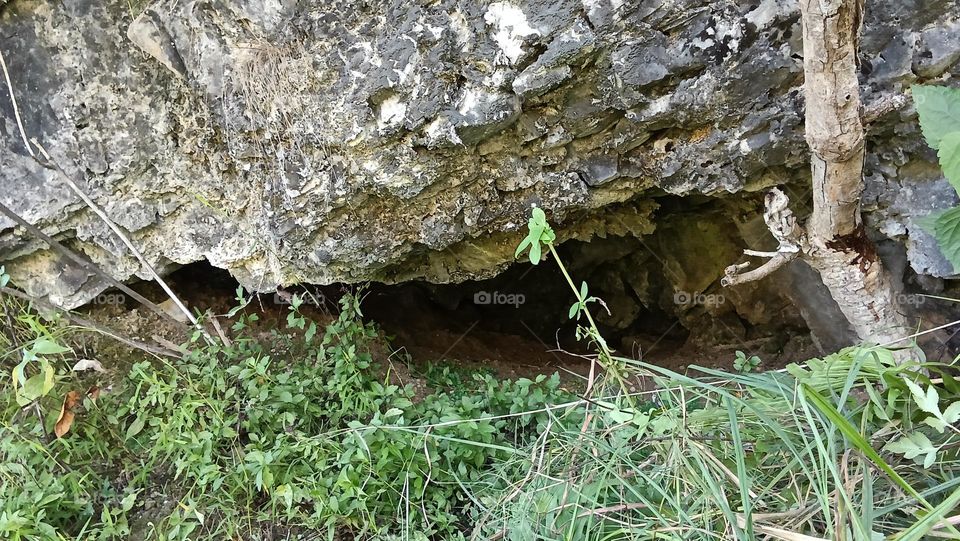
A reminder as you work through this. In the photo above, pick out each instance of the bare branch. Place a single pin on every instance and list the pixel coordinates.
(888, 103)
(783, 226)
(733, 277)
(116, 231)
(84, 262)
(50, 163)
(16, 110)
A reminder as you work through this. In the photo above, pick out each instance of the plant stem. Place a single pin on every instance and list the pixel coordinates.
(605, 354)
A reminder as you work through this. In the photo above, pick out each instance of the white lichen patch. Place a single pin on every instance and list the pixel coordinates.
(594, 7)
(730, 33)
(392, 112)
(470, 102)
(766, 12)
(510, 29)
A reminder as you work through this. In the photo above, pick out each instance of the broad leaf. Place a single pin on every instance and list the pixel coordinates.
(929, 222)
(950, 158)
(36, 386)
(939, 109)
(936, 423)
(44, 346)
(620, 416)
(136, 427)
(947, 233)
(927, 401)
(952, 413)
(539, 216)
(913, 445)
(535, 252)
(524, 243)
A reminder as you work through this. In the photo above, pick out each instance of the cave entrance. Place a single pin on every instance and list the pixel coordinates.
(519, 318)
(661, 293)
(516, 323)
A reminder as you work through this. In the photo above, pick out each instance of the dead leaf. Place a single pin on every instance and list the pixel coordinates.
(93, 392)
(88, 364)
(65, 421)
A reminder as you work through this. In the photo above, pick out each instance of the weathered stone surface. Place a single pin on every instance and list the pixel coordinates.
(389, 140)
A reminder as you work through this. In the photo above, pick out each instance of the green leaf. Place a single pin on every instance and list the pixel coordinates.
(947, 233)
(535, 252)
(44, 346)
(927, 401)
(136, 427)
(952, 413)
(619, 416)
(911, 445)
(929, 222)
(127, 502)
(523, 244)
(548, 236)
(32, 390)
(583, 291)
(939, 109)
(285, 492)
(48, 373)
(538, 216)
(950, 158)
(936, 423)
(573, 310)
(17, 374)
(37, 385)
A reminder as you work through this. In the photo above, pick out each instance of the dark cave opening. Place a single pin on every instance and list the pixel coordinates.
(517, 322)
(661, 299)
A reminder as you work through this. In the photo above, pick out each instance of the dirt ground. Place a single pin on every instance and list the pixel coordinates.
(418, 333)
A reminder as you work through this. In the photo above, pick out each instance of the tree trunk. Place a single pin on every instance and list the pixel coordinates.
(834, 240)
(838, 246)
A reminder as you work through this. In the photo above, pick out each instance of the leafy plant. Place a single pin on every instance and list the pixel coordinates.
(744, 364)
(284, 432)
(939, 109)
(541, 234)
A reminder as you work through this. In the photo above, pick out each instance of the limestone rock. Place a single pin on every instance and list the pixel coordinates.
(344, 141)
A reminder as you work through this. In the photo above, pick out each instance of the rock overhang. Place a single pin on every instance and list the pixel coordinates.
(389, 141)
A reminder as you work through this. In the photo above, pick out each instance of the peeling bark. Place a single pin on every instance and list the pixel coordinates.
(834, 241)
(838, 246)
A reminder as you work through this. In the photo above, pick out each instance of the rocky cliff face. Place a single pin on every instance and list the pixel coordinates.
(344, 141)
